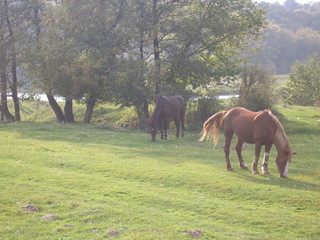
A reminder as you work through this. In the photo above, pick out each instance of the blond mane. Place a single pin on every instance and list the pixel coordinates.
(281, 140)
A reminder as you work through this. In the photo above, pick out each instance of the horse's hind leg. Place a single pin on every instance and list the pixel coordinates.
(256, 159)
(227, 144)
(166, 127)
(177, 123)
(239, 149)
(264, 167)
(182, 125)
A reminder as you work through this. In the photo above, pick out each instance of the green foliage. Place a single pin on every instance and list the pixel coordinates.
(207, 38)
(200, 110)
(95, 180)
(304, 85)
(257, 89)
(106, 50)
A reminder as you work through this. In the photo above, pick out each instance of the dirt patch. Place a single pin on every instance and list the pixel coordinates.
(68, 226)
(49, 217)
(195, 233)
(30, 208)
(113, 233)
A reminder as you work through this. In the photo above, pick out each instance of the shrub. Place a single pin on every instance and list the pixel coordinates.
(200, 109)
(257, 89)
(304, 85)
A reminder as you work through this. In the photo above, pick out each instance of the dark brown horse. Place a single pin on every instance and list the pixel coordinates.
(259, 128)
(167, 109)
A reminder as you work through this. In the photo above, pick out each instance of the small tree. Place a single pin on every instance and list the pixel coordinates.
(257, 89)
(304, 85)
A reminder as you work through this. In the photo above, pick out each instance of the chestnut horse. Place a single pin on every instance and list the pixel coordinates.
(167, 109)
(259, 128)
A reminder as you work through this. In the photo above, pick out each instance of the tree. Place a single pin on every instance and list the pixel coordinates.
(196, 41)
(257, 89)
(93, 28)
(293, 34)
(40, 58)
(8, 56)
(304, 85)
(77, 52)
(188, 43)
(94, 50)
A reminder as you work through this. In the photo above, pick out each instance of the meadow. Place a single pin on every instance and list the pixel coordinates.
(61, 181)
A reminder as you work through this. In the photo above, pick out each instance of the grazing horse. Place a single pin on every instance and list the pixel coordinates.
(259, 128)
(167, 109)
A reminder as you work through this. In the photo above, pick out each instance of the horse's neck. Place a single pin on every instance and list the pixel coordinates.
(158, 108)
(281, 141)
(157, 111)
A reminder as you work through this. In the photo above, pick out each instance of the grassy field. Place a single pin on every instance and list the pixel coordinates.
(97, 182)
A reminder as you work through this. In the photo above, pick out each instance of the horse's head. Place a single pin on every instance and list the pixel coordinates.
(151, 128)
(283, 160)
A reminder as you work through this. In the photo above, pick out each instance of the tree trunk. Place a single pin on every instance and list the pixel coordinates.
(143, 114)
(3, 62)
(156, 47)
(90, 105)
(68, 111)
(56, 108)
(89, 111)
(146, 109)
(13, 85)
(14, 88)
(3, 82)
(4, 102)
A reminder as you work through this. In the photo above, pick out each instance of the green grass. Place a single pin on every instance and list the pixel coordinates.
(96, 179)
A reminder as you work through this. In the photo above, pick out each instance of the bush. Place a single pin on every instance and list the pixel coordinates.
(304, 85)
(257, 89)
(200, 109)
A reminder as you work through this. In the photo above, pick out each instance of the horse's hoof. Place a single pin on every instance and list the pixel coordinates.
(266, 172)
(244, 167)
(229, 169)
(255, 172)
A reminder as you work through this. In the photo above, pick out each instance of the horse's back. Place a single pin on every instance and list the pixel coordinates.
(250, 126)
(176, 100)
(239, 115)
(265, 127)
(176, 105)
(239, 121)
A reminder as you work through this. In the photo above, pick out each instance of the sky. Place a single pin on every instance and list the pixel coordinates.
(282, 1)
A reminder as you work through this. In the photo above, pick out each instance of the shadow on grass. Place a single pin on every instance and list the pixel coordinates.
(274, 180)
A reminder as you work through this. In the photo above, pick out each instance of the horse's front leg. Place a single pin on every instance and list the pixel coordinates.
(256, 158)
(239, 149)
(264, 167)
(166, 127)
(161, 129)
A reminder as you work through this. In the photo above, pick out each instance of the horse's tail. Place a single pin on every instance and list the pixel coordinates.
(211, 127)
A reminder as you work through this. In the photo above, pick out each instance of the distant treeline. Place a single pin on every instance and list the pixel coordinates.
(293, 34)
